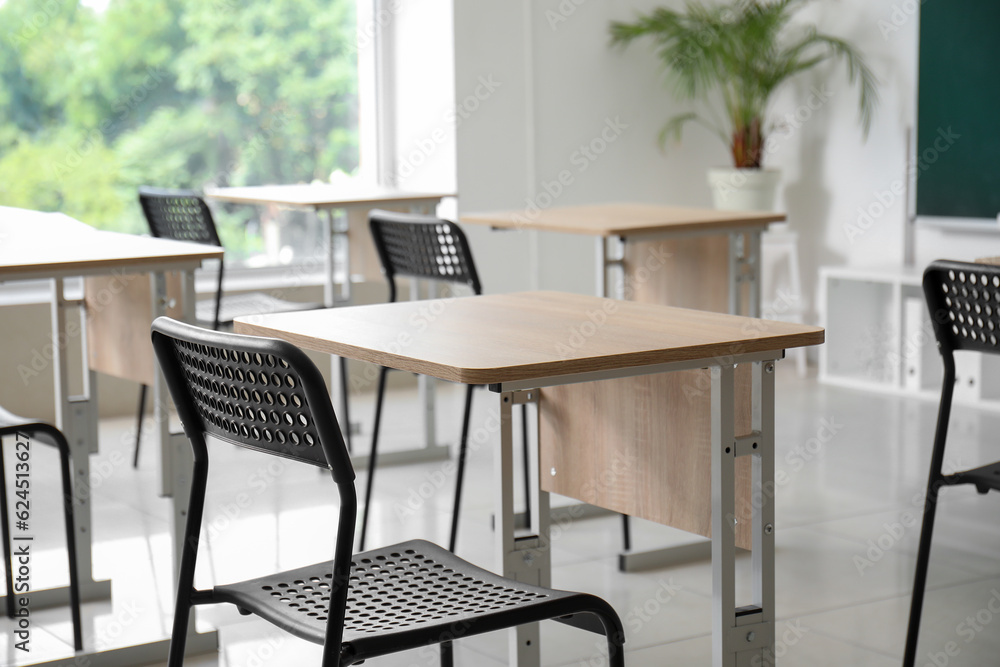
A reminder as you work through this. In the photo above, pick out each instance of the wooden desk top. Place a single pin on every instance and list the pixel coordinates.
(525, 336)
(320, 195)
(46, 245)
(623, 219)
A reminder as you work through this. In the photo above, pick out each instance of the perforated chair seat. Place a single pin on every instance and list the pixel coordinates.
(404, 594)
(241, 305)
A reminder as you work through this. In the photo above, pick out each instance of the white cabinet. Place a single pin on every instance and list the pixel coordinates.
(879, 337)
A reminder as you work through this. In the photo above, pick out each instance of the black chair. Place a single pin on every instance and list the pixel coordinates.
(964, 304)
(182, 215)
(39, 433)
(425, 247)
(266, 395)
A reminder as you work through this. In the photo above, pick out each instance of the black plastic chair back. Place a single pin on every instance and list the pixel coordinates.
(181, 215)
(420, 246)
(964, 304)
(260, 393)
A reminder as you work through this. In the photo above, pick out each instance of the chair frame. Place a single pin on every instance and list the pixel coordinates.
(182, 350)
(949, 287)
(11, 424)
(210, 235)
(334, 451)
(398, 262)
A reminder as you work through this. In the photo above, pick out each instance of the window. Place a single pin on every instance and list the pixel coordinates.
(98, 97)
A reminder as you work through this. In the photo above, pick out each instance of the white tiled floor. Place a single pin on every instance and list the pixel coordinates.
(855, 465)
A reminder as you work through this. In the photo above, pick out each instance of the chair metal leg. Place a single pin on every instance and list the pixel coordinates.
(462, 448)
(345, 404)
(934, 483)
(74, 580)
(178, 637)
(189, 559)
(138, 424)
(616, 651)
(447, 655)
(920, 579)
(5, 525)
(379, 396)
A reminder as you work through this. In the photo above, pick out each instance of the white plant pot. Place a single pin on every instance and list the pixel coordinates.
(744, 189)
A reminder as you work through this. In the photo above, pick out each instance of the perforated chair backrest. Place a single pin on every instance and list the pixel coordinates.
(261, 393)
(422, 246)
(181, 215)
(963, 300)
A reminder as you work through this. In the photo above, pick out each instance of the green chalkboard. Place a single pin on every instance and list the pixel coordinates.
(958, 109)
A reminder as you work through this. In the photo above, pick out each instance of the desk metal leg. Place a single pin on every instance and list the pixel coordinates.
(426, 385)
(76, 417)
(762, 492)
(339, 382)
(744, 267)
(526, 558)
(753, 260)
(735, 271)
(610, 267)
(723, 517)
(742, 636)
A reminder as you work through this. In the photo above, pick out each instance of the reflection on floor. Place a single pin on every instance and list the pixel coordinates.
(854, 468)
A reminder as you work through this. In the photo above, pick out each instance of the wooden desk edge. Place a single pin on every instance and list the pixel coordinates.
(328, 203)
(104, 266)
(737, 224)
(539, 371)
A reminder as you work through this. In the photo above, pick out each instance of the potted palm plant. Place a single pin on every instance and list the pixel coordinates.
(733, 57)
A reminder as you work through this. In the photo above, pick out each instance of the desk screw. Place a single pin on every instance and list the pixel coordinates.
(768, 528)
(751, 636)
(528, 557)
(769, 367)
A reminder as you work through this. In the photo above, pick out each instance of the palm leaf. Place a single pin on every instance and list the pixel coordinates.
(740, 53)
(674, 127)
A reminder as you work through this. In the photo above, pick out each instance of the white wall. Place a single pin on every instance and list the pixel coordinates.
(560, 83)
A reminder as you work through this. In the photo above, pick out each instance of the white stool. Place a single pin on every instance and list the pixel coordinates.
(781, 282)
